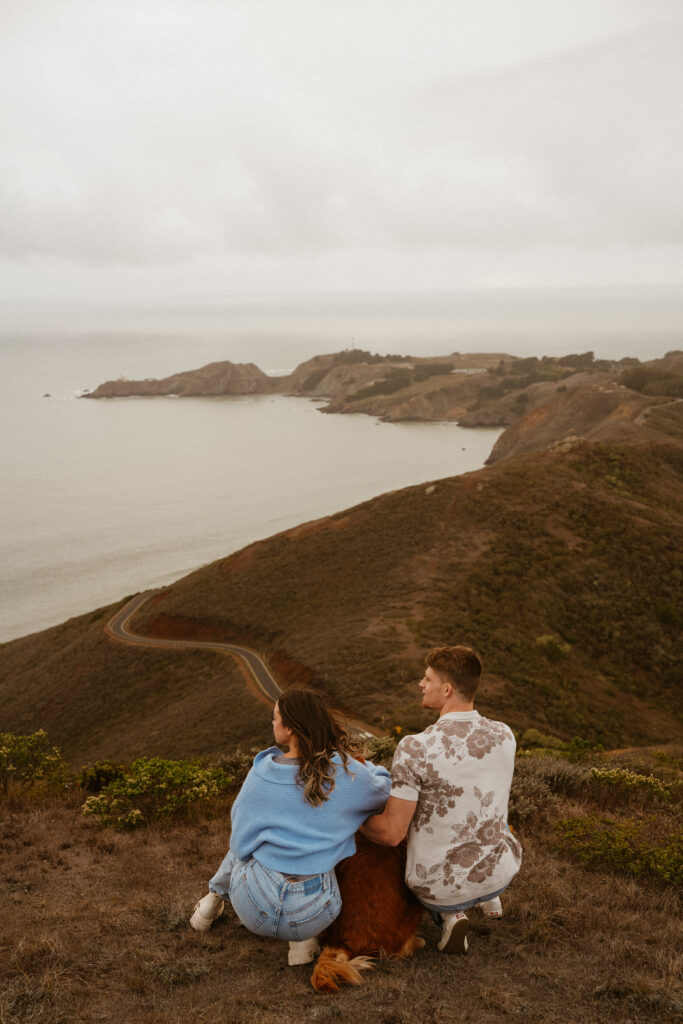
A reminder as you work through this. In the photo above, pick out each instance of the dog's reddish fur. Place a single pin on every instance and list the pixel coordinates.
(379, 915)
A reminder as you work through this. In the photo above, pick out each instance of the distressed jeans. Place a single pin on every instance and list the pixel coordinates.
(267, 904)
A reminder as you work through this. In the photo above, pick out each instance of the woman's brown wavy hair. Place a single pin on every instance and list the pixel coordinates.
(319, 735)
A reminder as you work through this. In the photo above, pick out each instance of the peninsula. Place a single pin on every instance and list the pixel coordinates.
(547, 401)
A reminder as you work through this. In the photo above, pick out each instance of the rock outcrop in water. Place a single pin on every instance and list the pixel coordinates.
(224, 378)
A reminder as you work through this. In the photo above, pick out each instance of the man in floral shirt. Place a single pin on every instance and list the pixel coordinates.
(449, 793)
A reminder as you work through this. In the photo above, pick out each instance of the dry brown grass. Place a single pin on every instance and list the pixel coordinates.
(95, 929)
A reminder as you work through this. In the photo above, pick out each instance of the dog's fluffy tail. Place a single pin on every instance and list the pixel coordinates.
(335, 967)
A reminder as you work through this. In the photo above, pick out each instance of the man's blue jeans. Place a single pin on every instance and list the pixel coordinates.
(267, 904)
(437, 912)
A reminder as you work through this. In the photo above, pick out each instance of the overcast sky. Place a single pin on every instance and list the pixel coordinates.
(194, 154)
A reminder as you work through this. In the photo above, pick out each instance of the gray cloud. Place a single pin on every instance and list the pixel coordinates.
(259, 145)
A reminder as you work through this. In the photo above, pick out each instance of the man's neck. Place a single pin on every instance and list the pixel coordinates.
(452, 704)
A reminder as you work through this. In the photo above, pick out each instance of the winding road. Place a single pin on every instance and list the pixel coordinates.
(117, 628)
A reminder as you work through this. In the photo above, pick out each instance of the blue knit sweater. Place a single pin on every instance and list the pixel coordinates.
(272, 822)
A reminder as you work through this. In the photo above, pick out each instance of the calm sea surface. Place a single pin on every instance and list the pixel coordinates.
(101, 499)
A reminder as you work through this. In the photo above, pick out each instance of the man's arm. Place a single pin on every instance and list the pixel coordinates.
(389, 827)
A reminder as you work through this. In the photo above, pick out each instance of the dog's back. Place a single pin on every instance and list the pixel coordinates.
(379, 915)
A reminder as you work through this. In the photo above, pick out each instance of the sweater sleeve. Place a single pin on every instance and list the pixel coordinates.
(377, 783)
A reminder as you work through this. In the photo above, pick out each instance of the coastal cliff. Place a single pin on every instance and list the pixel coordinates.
(542, 402)
(600, 407)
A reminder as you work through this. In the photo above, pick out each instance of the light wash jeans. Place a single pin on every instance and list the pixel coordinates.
(267, 904)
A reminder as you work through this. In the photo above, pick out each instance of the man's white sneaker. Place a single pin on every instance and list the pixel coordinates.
(454, 933)
(303, 952)
(206, 911)
(492, 908)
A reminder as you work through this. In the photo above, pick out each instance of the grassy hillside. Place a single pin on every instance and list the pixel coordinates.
(98, 698)
(564, 569)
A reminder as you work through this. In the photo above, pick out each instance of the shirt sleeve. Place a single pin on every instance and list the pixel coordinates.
(407, 769)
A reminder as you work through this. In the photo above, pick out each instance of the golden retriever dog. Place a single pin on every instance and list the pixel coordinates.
(379, 915)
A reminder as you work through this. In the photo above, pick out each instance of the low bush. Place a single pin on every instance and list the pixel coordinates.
(537, 782)
(235, 764)
(554, 649)
(380, 750)
(396, 379)
(634, 846)
(530, 795)
(652, 380)
(537, 739)
(29, 759)
(153, 788)
(580, 749)
(94, 777)
(629, 786)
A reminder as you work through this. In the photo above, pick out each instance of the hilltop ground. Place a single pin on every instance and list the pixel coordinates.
(95, 922)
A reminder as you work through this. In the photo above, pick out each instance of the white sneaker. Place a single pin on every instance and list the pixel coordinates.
(206, 911)
(454, 933)
(303, 952)
(492, 908)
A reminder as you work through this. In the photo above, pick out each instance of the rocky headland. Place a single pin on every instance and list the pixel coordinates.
(222, 378)
(542, 402)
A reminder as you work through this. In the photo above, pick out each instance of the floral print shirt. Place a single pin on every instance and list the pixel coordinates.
(459, 845)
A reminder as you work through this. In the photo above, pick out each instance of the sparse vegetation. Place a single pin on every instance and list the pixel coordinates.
(632, 845)
(653, 380)
(30, 760)
(154, 788)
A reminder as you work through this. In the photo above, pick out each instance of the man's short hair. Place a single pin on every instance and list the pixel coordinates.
(459, 665)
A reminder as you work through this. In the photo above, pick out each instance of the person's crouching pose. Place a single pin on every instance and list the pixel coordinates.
(293, 820)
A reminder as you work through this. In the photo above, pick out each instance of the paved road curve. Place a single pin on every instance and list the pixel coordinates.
(117, 627)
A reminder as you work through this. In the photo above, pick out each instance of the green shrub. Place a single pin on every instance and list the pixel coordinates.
(651, 380)
(553, 648)
(154, 788)
(535, 738)
(633, 846)
(380, 750)
(423, 371)
(580, 749)
(236, 765)
(530, 795)
(396, 379)
(94, 777)
(538, 780)
(26, 760)
(628, 783)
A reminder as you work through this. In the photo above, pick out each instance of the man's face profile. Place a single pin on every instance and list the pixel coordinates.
(432, 685)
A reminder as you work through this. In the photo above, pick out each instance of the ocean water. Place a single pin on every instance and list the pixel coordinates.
(101, 499)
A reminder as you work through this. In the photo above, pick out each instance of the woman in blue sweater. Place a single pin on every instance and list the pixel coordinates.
(293, 820)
